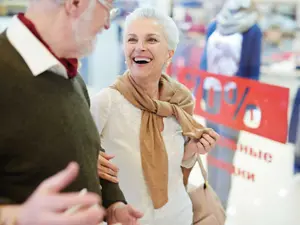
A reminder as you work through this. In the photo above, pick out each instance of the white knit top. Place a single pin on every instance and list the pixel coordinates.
(118, 122)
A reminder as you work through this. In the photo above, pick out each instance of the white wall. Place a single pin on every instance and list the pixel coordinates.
(104, 63)
(4, 22)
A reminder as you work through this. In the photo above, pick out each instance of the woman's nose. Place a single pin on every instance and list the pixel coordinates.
(141, 46)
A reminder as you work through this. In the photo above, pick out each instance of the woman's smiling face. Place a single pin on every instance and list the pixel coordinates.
(146, 48)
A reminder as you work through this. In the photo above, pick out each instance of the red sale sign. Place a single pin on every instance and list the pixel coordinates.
(239, 103)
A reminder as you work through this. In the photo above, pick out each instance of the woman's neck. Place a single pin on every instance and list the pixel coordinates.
(151, 87)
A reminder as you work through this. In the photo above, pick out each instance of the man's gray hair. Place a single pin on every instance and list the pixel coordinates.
(170, 29)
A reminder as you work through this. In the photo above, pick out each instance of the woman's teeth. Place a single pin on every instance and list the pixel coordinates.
(141, 60)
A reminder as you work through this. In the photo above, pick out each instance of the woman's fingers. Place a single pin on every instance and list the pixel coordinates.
(108, 171)
(108, 177)
(203, 146)
(103, 162)
(106, 156)
(214, 134)
(210, 140)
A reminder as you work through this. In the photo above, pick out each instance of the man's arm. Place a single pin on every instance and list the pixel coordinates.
(111, 192)
(5, 201)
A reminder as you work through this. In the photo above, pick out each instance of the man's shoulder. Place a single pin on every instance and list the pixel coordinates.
(4, 54)
(4, 43)
(82, 88)
(3, 36)
(9, 56)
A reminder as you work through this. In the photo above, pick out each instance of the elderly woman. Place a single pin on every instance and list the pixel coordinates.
(146, 120)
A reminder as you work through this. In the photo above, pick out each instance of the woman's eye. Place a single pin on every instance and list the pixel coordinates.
(152, 40)
(131, 40)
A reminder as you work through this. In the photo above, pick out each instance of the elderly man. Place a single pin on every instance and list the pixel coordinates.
(45, 118)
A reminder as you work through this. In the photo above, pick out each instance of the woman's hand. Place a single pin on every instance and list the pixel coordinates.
(200, 146)
(107, 170)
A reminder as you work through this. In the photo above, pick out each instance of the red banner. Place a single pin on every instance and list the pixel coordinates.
(239, 103)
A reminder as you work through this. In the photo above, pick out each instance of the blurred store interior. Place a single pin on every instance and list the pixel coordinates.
(266, 190)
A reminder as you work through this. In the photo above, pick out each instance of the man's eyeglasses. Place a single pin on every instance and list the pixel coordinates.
(113, 12)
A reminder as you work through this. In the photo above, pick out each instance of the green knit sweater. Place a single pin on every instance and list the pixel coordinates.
(45, 123)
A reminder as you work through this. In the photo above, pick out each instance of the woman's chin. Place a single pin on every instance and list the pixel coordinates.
(140, 72)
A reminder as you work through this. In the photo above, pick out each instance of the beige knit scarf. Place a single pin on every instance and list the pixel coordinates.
(175, 100)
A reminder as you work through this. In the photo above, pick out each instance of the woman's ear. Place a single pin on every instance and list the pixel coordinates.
(170, 55)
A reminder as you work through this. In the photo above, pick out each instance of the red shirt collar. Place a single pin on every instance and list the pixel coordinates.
(71, 64)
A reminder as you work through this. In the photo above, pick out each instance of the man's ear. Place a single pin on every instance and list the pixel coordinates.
(75, 8)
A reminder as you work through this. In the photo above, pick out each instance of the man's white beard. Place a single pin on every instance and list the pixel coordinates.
(86, 46)
(85, 42)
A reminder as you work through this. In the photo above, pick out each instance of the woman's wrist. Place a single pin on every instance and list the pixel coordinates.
(190, 162)
(187, 149)
(9, 214)
(186, 140)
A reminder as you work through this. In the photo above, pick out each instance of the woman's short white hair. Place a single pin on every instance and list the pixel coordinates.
(170, 29)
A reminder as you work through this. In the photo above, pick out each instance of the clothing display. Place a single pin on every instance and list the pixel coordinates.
(233, 20)
(233, 48)
(249, 64)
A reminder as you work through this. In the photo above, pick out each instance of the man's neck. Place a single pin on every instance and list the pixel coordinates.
(50, 31)
(48, 37)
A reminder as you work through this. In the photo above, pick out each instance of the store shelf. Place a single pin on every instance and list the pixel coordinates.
(278, 1)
